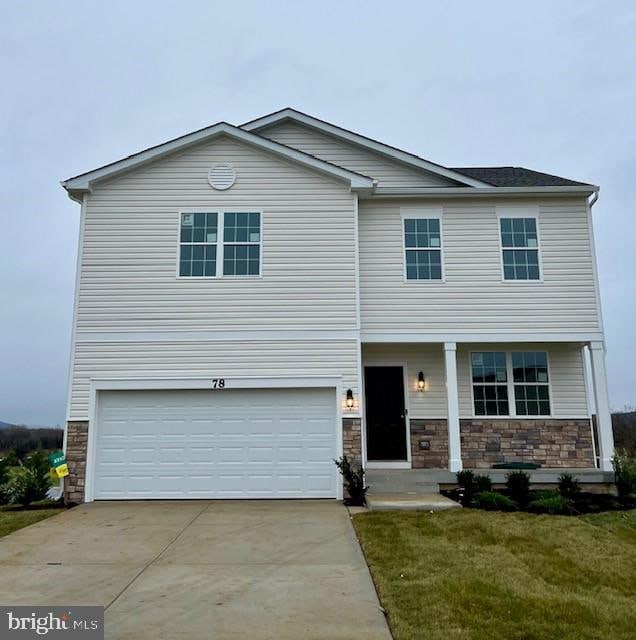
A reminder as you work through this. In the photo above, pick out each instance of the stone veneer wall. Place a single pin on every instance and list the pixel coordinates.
(435, 434)
(550, 443)
(352, 440)
(76, 448)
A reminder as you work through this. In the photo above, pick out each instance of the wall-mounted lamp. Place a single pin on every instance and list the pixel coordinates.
(421, 382)
(349, 401)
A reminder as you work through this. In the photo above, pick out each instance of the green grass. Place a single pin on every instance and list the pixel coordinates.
(14, 518)
(475, 575)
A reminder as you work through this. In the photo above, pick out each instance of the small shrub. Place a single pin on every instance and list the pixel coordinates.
(557, 504)
(518, 483)
(569, 486)
(4, 470)
(624, 473)
(353, 481)
(38, 462)
(493, 501)
(465, 478)
(24, 486)
(467, 487)
(544, 493)
(483, 484)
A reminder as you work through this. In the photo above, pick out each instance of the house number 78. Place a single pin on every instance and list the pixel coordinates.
(218, 383)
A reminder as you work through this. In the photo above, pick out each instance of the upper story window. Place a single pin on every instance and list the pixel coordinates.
(498, 376)
(241, 244)
(423, 248)
(220, 243)
(520, 248)
(198, 239)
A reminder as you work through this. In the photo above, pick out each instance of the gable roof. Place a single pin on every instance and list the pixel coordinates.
(368, 143)
(518, 177)
(82, 183)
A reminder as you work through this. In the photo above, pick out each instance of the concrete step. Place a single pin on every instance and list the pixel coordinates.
(400, 481)
(410, 502)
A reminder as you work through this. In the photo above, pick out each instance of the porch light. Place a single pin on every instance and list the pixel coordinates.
(421, 382)
(349, 401)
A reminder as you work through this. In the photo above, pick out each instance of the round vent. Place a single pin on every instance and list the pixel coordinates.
(221, 176)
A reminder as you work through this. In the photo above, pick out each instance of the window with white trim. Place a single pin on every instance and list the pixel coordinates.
(241, 244)
(510, 383)
(423, 248)
(530, 379)
(490, 383)
(197, 243)
(520, 248)
(220, 243)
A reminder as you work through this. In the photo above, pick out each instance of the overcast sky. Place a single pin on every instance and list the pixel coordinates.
(547, 85)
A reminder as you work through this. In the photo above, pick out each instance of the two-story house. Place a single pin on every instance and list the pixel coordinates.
(253, 302)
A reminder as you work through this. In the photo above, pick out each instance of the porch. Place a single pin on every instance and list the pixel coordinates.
(429, 410)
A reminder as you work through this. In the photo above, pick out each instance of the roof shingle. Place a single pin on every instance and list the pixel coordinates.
(517, 177)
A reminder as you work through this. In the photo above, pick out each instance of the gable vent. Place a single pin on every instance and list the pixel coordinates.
(221, 176)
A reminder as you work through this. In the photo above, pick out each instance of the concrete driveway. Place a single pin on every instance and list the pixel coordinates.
(200, 569)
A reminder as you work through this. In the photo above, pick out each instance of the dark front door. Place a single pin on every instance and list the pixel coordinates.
(386, 417)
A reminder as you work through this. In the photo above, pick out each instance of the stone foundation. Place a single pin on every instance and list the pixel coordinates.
(551, 443)
(434, 435)
(76, 448)
(352, 440)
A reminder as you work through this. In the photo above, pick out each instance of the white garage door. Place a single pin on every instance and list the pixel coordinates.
(231, 443)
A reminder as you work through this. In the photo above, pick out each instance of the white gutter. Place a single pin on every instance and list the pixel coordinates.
(471, 192)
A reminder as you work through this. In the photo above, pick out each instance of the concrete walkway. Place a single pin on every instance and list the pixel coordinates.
(410, 502)
(200, 569)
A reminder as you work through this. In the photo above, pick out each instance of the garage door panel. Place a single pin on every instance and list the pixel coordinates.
(216, 444)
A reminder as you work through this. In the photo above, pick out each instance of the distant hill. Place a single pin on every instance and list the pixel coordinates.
(9, 425)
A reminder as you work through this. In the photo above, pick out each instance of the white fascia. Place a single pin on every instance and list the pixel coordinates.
(469, 192)
(362, 141)
(82, 183)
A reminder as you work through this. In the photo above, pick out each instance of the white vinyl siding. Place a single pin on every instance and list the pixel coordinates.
(128, 280)
(389, 173)
(565, 372)
(567, 381)
(208, 359)
(473, 299)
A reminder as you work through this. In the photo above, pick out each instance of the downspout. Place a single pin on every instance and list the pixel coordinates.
(594, 198)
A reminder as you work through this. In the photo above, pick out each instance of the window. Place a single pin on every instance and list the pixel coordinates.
(223, 243)
(198, 244)
(530, 376)
(241, 244)
(423, 246)
(520, 247)
(490, 383)
(498, 376)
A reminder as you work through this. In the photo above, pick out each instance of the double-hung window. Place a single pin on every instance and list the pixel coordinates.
(241, 244)
(423, 248)
(490, 383)
(530, 376)
(510, 383)
(219, 243)
(520, 248)
(198, 242)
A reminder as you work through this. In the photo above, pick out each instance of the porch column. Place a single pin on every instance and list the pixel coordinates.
(601, 400)
(454, 438)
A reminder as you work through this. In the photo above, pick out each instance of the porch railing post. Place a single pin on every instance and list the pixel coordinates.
(454, 436)
(601, 400)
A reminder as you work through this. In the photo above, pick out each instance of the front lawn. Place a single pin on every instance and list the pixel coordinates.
(14, 518)
(480, 575)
